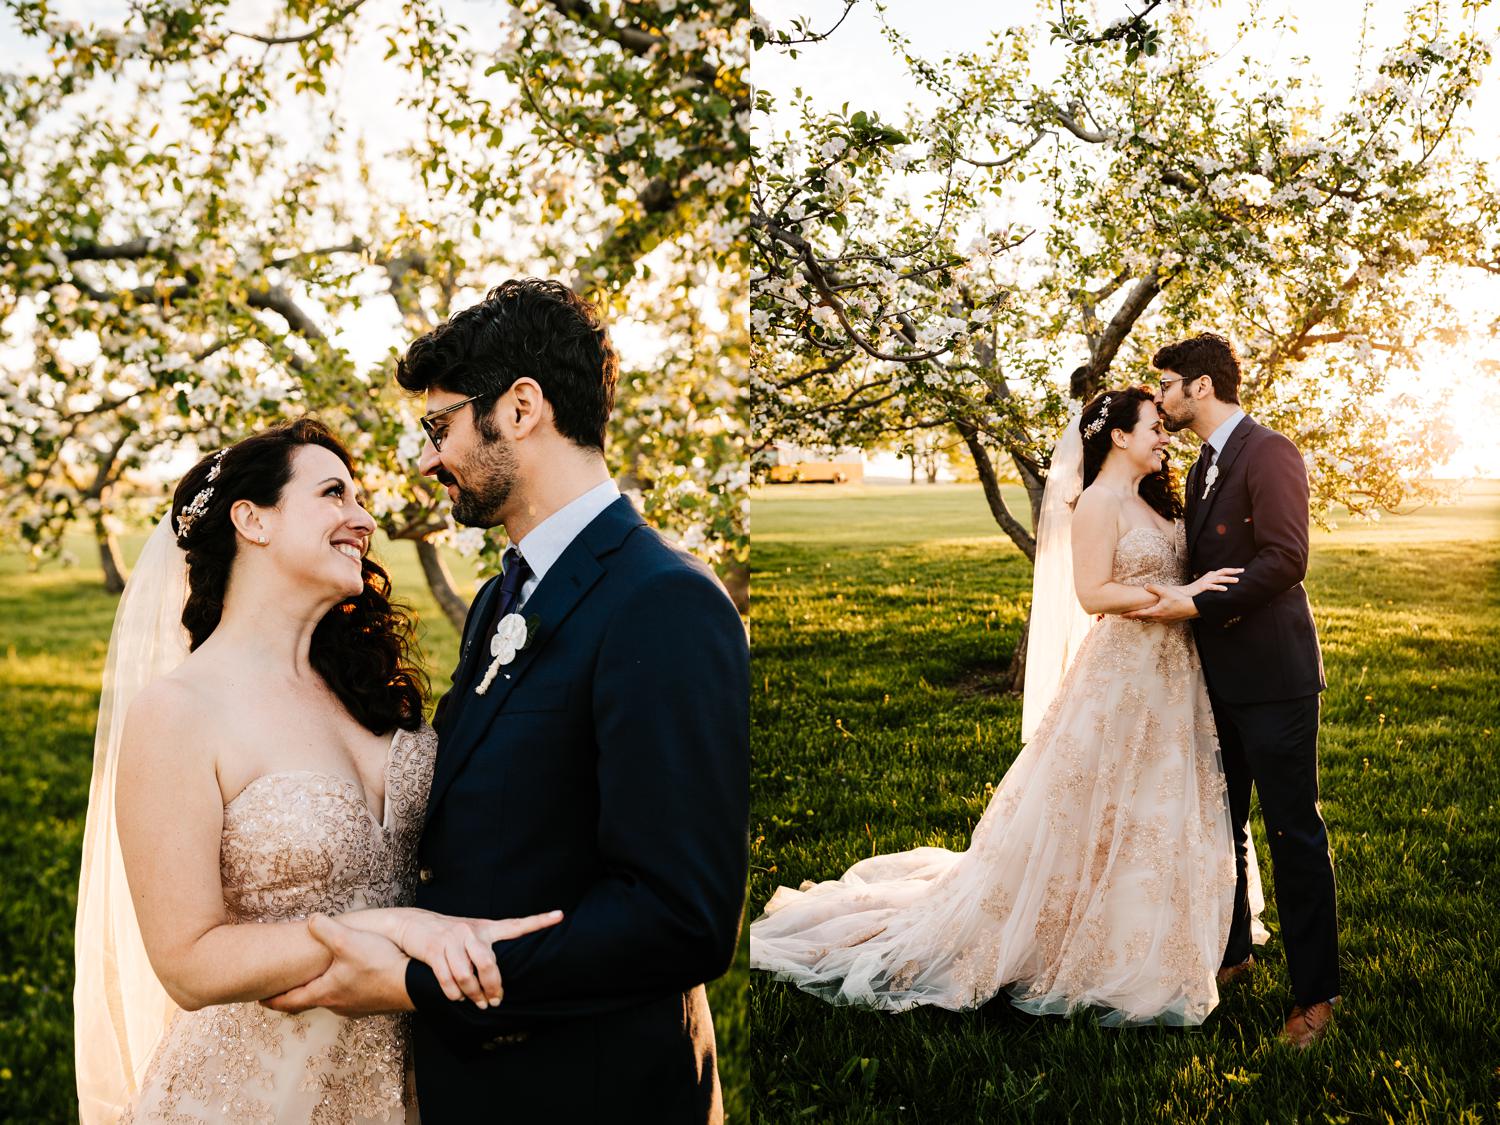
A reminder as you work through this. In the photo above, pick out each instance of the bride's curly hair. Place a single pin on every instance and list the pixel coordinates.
(364, 647)
(1124, 411)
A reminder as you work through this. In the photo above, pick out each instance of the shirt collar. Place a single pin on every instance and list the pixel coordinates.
(1220, 437)
(544, 544)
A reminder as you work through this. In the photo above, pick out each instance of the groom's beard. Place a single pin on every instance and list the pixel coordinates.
(489, 483)
(1174, 423)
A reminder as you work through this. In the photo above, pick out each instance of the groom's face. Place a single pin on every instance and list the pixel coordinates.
(476, 463)
(1175, 405)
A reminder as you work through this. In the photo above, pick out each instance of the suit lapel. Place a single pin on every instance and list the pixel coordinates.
(1195, 475)
(474, 653)
(556, 596)
(1237, 439)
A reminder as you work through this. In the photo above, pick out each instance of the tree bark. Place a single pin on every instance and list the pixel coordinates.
(1016, 674)
(440, 582)
(109, 558)
(736, 579)
(991, 483)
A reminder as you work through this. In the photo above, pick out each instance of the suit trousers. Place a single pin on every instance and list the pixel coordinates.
(1274, 747)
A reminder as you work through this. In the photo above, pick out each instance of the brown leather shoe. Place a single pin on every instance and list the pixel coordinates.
(1231, 973)
(1305, 1026)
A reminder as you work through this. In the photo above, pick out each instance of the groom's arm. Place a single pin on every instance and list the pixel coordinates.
(671, 698)
(1277, 484)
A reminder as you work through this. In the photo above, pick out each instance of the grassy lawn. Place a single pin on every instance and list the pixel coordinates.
(882, 617)
(54, 630)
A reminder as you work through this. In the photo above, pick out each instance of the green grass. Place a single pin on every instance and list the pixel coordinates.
(54, 631)
(882, 618)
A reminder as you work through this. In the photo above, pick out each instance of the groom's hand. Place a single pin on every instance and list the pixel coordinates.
(1171, 605)
(368, 975)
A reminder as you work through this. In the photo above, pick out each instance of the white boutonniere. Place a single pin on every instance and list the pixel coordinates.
(1208, 480)
(512, 635)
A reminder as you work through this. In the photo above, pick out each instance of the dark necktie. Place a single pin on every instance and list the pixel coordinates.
(513, 576)
(1206, 458)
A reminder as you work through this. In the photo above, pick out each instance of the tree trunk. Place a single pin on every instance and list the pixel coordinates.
(440, 582)
(1016, 675)
(109, 558)
(991, 483)
(736, 579)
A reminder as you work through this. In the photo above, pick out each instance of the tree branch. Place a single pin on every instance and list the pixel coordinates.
(1014, 155)
(633, 39)
(338, 15)
(278, 300)
(991, 483)
(1088, 379)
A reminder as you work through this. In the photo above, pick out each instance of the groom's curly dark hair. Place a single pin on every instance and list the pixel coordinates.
(1209, 354)
(364, 647)
(524, 327)
(1158, 489)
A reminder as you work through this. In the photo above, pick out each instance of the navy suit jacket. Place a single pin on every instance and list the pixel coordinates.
(604, 773)
(1257, 639)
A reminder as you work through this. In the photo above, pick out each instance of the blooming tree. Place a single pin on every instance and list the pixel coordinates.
(184, 250)
(1035, 237)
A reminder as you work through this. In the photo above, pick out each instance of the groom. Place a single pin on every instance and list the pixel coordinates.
(1247, 506)
(599, 764)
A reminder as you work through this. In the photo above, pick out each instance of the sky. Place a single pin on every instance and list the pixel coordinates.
(1335, 42)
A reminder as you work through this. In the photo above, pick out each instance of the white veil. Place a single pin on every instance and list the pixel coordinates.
(1058, 623)
(119, 1007)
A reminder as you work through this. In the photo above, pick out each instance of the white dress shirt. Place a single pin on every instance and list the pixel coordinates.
(544, 544)
(1220, 437)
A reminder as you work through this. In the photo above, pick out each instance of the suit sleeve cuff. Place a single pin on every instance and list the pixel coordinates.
(423, 988)
(1205, 611)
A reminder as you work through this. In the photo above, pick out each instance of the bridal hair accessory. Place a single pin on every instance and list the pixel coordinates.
(1098, 423)
(512, 635)
(190, 514)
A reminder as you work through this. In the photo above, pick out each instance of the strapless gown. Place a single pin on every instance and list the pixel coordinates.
(1101, 873)
(297, 843)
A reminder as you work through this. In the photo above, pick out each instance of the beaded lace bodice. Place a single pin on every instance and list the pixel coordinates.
(1150, 555)
(296, 843)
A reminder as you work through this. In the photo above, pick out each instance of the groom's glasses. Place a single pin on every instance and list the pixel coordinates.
(435, 433)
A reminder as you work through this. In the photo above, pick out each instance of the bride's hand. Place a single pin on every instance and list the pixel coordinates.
(1220, 579)
(458, 950)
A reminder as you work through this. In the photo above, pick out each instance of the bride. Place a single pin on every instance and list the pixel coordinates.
(260, 760)
(1102, 872)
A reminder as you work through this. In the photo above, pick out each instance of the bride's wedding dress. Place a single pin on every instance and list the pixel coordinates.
(1101, 873)
(297, 843)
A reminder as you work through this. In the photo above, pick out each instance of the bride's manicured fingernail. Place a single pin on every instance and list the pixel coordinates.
(482, 1005)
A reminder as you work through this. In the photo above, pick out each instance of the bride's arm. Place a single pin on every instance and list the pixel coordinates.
(459, 951)
(170, 815)
(1095, 533)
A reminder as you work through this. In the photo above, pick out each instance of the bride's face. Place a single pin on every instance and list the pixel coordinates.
(319, 531)
(1145, 447)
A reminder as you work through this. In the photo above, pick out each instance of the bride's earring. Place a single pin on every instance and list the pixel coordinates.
(261, 539)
